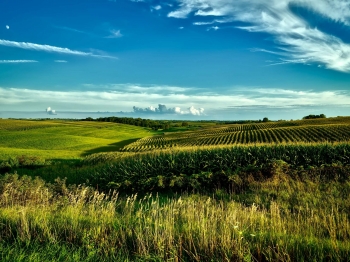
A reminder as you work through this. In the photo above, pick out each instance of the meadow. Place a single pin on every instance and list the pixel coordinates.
(54, 139)
(275, 191)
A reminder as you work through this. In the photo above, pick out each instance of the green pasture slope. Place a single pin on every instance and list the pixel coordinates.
(64, 139)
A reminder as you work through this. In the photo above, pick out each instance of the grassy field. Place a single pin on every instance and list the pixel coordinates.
(64, 139)
(276, 191)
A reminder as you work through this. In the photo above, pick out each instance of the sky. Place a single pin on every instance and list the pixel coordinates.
(175, 59)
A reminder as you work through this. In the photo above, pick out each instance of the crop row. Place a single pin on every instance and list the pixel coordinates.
(330, 133)
(176, 164)
(265, 125)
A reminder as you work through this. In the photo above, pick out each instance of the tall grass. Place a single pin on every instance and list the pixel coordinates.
(276, 219)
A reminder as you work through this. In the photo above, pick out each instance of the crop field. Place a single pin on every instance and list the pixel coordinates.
(64, 139)
(330, 130)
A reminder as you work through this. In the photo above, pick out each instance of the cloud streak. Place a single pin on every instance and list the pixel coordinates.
(48, 48)
(17, 61)
(294, 36)
(115, 100)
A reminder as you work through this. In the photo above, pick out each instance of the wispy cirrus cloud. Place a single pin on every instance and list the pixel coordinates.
(114, 34)
(17, 61)
(49, 48)
(293, 34)
(73, 30)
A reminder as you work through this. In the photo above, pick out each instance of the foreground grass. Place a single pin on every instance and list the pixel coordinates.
(273, 219)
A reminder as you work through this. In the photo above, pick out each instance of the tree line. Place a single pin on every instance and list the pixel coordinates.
(154, 124)
(314, 116)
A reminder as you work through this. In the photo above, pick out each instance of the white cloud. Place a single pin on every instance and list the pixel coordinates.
(50, 111)
(162, 109)
(157, 7)
(196, 112)
(17, 61)
(214, 28)
(47, 48)
(7, 27)
(143, 89)
(204, 23)
(286, 61)
(266, 51)
(124, 99)
(115, 34)
(72, 30)
(293, 34)
(61, 61)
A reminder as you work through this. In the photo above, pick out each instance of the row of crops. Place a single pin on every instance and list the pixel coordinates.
(268, 125)
(245, 134)
(166, 168)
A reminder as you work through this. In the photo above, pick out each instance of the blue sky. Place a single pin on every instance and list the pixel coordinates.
(203, 59)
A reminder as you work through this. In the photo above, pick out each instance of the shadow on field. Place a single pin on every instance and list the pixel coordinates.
(110, 148)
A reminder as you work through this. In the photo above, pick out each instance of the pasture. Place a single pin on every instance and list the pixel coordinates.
(64, 139)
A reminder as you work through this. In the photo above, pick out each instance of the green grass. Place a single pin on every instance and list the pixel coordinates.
(64, 140)
(273, 219)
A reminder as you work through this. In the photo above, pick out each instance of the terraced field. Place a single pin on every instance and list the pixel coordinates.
(324, 130)
(64, 139)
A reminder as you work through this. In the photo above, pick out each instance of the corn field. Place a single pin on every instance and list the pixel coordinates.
(275, 133)
(211, 166)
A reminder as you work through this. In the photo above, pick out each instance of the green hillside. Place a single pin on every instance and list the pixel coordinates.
(64, 139)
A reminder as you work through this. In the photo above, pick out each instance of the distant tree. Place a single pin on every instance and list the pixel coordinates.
(265, 119)
(165, 126)
(314, 116)
(184, 124)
